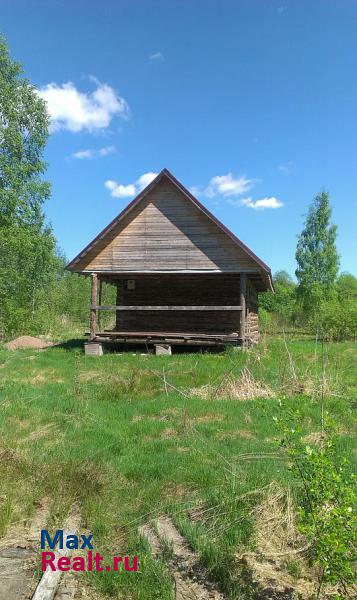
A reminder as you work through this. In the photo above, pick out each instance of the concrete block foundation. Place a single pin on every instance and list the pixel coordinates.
(163, 350)
(93, 349)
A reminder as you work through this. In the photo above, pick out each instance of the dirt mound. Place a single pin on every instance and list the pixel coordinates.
(27, 341)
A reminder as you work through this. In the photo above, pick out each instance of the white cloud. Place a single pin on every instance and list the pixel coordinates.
(76, 111)
(107, 150)
(285, 168)
(145, 179)
(90, 153)
(263, 203)
(195, 190)
(118, 190)
(227, 185)
(232, 188)
(83, 154)
(156, 56)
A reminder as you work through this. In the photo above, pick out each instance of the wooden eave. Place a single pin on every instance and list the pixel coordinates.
(264, 270)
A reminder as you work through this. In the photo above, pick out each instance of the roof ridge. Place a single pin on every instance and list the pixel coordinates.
(165, 172)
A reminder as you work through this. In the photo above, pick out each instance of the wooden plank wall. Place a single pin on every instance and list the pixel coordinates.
(188, 289)
(252, 316)
(166, 232)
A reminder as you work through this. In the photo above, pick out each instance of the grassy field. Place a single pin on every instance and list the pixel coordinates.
(133, 436)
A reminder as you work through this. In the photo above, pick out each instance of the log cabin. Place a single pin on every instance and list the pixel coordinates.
(182, 278)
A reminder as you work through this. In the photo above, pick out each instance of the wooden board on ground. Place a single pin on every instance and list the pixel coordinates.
(191, 581)
(18, 554)
(19, 557)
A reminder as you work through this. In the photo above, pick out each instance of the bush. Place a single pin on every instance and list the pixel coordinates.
(334, 317)
(336, 320)
(328, 502)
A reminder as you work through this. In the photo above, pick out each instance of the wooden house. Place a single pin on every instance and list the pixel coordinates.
(181, 276)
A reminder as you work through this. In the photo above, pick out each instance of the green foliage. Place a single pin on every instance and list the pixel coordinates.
(337, 315)
(70, 299)
(319, 304)
(337, 320)
(36, 294)
(73, 296)
(282, 302)
(28, 269)
(329, 500)
(23, 135)
(347, 288)
(328, 514)
(28, 260)
(316, 256)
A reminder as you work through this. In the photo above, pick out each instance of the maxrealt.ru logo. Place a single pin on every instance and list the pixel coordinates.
(63, 543)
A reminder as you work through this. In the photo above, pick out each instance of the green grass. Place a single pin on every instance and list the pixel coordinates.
(105, 431)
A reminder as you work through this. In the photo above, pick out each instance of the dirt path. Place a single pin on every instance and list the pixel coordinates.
(189, 576)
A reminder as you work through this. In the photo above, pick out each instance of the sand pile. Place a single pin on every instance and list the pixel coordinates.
(27, 341)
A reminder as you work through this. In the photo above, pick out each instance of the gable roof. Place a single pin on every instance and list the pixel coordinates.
(165, 173)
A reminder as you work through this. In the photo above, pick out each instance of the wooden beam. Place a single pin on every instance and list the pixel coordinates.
(96, 307)
(93, 310)
(50, 580)
(132, 273)
(242, 300)
(167, 335)
(100, 300)
(198, 341)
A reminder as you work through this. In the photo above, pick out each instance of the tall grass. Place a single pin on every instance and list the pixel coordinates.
(129, 436)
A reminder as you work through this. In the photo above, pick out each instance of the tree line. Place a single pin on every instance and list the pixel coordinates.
(38, 296)
(36, 292)
(321, 301)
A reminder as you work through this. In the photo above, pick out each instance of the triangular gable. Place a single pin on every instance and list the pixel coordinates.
(166, 229)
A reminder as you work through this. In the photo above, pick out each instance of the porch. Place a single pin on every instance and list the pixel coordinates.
(201, 309)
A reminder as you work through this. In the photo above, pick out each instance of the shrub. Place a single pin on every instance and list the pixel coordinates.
(328, 502)
(337, 320)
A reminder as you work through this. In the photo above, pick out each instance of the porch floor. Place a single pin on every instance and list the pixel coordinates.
(173, 338)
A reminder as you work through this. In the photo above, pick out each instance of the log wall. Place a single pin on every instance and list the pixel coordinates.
(252, 315)
(187, 290)
(180, 290)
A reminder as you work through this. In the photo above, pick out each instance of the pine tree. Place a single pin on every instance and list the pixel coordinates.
(317, 257)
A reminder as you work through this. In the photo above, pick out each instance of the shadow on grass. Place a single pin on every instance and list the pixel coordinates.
(73, 344)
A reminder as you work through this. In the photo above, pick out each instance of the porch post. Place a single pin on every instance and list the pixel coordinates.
(242, 302)
(100, 302)
(93, 311)
(119, 300)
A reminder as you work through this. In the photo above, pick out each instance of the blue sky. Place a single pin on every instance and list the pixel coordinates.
(251, 104)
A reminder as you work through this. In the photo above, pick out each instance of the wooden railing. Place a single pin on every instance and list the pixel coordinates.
(168, 307)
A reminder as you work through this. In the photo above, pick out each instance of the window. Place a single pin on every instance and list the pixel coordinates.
(130, 284)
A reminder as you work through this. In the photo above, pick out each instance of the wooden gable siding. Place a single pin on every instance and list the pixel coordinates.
(166, 232)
